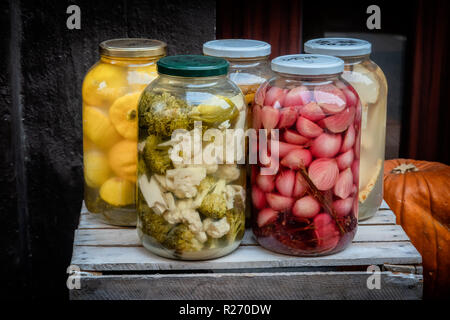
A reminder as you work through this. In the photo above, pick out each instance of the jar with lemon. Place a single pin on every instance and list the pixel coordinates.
(111, 92)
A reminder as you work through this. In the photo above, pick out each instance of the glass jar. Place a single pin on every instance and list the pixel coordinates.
(249, 62)
(249, 68)
(191, 178)
(370, 83)
(111, 91)
(304, 185)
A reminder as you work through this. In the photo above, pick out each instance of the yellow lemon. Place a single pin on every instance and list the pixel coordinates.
(139, 77)
(123, 159)
(118, 192)
(88, 145)
(123, 114)
(103, 84)
(98, 128)
(96, 169)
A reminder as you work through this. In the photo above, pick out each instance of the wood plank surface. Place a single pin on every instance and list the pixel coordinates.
(94, 221)
(128, 237)
(94, 258)
(243, 286)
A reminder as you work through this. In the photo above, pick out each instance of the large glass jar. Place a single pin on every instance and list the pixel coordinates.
(191, 174)
(111, 91)
(370, 83)
(249, 68)
(249, 62)
(304, 186)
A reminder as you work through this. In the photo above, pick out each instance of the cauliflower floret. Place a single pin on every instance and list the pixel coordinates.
(233, 192)
(216, 228)
(183, 181)
(184, 213)
(153, 195)
(201, 236)
(229, 172)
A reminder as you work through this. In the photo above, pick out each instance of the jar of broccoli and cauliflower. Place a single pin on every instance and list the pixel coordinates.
(370, 83)
(191, 175)
(111, 91)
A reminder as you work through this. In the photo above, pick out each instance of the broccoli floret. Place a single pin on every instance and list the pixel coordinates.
(153, 224)
(182, 239)
(156, 159)
(212, 114)
(162, 113)
(213, 243)
(236, 221)
(214, 204)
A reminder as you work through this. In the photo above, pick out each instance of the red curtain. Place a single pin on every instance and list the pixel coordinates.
(276, 22)
(426, 134)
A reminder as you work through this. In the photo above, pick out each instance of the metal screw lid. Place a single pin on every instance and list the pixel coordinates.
(132, 48)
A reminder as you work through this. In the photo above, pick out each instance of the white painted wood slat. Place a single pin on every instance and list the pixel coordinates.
(245, 286)
(92, 258)
(128, 237)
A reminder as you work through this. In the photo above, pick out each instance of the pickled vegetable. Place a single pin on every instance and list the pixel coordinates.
(111, 92)
(187, 210)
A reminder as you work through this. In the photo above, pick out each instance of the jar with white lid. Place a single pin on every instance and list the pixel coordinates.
(370, 82)
(249, 68)
(304, 185)
(249, 62)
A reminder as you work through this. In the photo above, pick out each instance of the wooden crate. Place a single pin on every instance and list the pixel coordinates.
(114, 265)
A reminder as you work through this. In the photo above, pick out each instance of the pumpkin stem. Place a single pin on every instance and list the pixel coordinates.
(404, 168)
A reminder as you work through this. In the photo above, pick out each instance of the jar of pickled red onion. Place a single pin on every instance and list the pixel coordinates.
(370, 83)
(305, 181)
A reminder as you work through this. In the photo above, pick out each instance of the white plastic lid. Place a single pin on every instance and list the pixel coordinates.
(236, 48)
(340, 47)
(308, 64)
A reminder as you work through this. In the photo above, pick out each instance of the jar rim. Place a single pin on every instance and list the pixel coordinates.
(191, 66)
(339, 47)
(133, 48)
(237, 48)
(308, 64)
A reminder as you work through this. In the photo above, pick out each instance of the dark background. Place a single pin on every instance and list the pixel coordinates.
(43, 65)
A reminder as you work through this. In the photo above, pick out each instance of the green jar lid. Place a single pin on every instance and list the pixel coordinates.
(192, 66)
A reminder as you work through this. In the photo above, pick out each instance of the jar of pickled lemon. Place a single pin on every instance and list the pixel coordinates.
(111, 91)
(249, 68)
(191, 174)
(370, 84)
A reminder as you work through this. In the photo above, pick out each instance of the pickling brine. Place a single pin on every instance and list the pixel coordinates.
(111, 92)
(307, 203)
(191, 185)
(370, 83)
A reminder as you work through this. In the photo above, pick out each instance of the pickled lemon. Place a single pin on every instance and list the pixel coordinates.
(98, 128)
(139, 77)
(123, 159)
(96, 169)
(123, 114)
(118, 192)
(103, 84)
(88, 145)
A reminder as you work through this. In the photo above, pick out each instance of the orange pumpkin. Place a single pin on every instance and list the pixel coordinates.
(419, 194)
